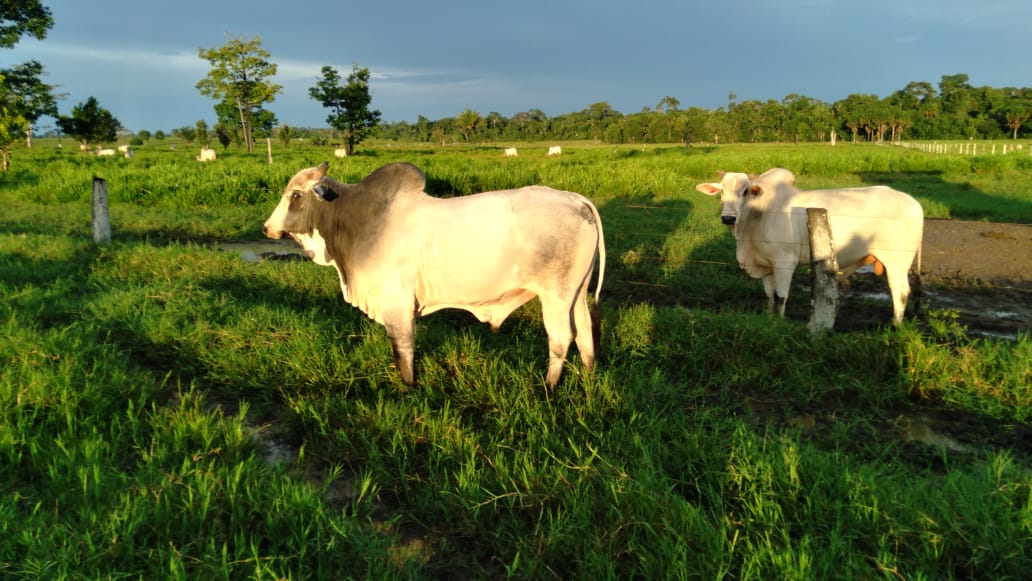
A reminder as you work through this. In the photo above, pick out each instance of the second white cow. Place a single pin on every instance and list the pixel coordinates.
(206, 154)
(555, 150)
(767, 215)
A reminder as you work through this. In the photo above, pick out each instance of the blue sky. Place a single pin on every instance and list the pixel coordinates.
(437, 58)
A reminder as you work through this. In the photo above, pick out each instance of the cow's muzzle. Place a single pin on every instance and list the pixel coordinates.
(728, 220)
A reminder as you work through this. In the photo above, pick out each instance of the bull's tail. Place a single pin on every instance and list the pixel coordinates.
(601, 252)
(596, 311)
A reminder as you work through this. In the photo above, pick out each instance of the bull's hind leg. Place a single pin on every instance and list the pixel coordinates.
(401, 332)
(558, 315)
(584, 328)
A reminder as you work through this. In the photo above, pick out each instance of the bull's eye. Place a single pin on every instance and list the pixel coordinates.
(295, 195)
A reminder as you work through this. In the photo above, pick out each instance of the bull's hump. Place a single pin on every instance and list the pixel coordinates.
(393, 178)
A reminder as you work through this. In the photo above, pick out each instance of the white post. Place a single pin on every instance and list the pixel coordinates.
(268, 147)
(823, 267)
(101, 220)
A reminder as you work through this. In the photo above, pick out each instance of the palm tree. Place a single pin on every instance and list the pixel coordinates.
(467, 122)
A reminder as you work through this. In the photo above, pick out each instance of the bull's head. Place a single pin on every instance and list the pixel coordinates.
(293, 215)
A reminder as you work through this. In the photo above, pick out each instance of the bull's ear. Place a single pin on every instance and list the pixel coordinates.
(325, 194)
(709, 189)
(754, 190)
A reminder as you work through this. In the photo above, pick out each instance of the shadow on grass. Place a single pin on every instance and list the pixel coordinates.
(962, 200)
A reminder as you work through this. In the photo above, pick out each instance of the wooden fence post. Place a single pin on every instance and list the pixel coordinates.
(823, 267)
(101, 221)
(268, 148)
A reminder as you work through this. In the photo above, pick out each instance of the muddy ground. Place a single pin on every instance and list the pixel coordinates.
(982, 270)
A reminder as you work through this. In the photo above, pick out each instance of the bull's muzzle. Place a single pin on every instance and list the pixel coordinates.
(270, 233)
(728, 220)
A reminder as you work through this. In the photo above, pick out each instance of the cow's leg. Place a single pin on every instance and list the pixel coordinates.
(584, 328)
(782, 284)
(401, 331)
(558, 316)
(899, 290)
(768, 289)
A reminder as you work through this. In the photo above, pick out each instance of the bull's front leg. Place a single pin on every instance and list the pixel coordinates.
(401, 332)
(782, 284)
(768, 290)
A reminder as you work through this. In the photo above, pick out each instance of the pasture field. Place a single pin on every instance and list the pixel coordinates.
(170, 410)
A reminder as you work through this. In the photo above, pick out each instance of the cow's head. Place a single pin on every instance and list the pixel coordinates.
(732, 189)
(293, 215)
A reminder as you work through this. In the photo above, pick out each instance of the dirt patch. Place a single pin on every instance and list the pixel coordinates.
(977, 254)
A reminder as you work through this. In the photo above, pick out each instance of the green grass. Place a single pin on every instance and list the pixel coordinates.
(168, 410)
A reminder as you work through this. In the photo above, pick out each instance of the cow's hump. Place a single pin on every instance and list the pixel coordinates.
(393, 178)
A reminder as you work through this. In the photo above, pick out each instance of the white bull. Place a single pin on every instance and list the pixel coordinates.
(510, 152)
(767, 215)
(555, 150)
(400, 253)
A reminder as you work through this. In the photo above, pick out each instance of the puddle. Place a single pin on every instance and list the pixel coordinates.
(920, 429)
(264, 250)
(989, 312)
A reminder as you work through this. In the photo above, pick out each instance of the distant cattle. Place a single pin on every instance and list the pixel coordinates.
(340, 152)
(400, 253)
(105, 152)
(555, 150)
(767, 215)
(206, 154)
(510, 152)
(124, 148)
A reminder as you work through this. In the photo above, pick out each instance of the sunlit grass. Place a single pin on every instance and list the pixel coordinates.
(168, 410)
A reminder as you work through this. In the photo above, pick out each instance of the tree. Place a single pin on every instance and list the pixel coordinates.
(23, 17)
(285, 134)
(10, 124)
(20, 90)
(239, 74)
(667, 104)
(262, 120)
(29, 96)
(225, 134)
(467, 122)
(348, 105)
(90, 123)
(1015, 110)
(202, 133)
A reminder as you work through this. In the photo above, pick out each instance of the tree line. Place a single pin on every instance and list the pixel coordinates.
(953, 110)
(240, 80)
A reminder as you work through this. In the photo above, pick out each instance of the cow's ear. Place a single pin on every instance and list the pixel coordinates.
(325, 194)
(709, 189)
(754, 190)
